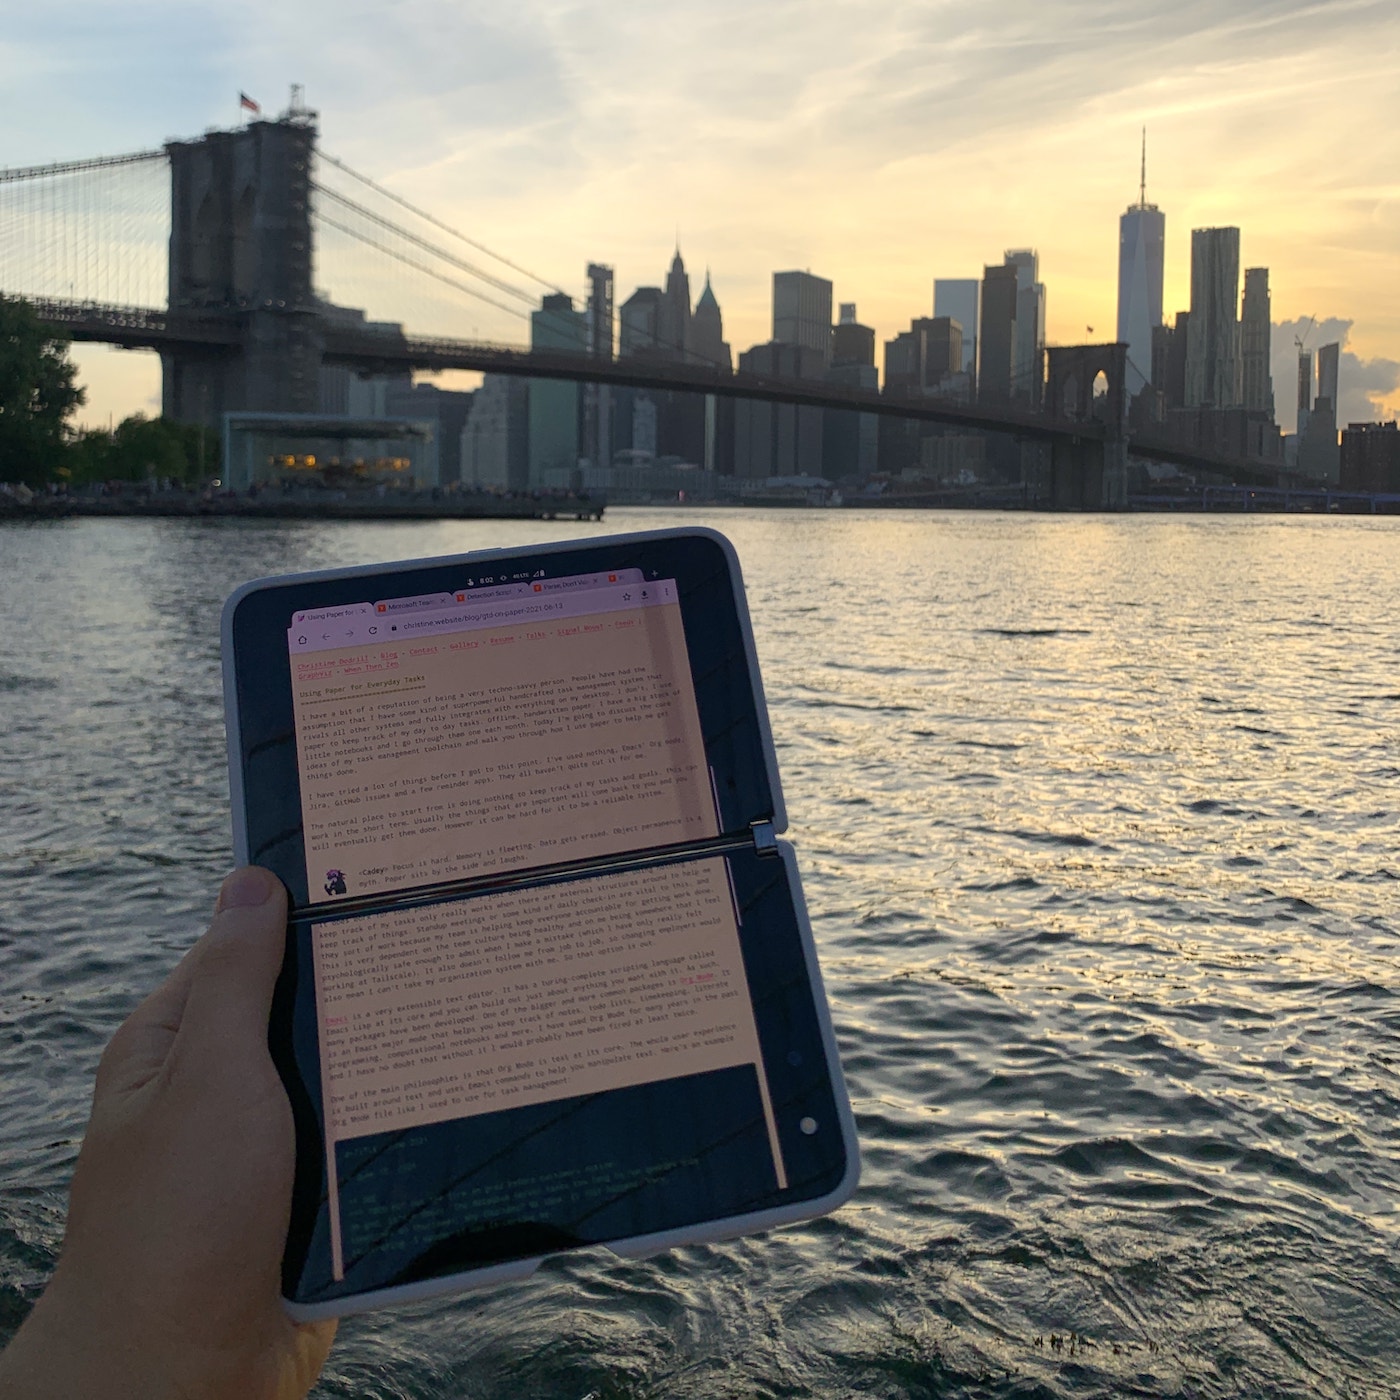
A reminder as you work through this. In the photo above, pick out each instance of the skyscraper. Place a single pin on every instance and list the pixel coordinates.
(1256, 381)
(1305, 371)
(709, 347)
(996, 335)
(779, 439)
(673, 319)
(802, 312)
(1317, 442)
(597, 398)
(554, 403)
(707, 343)
(922, 360)
(959, 299)
(495, 442)
(1328, 363)
(851, 441)
(1212, 345)
(1169, 360)
(1027, 373)
(600, 311)
(1142, 235)
(851, 342)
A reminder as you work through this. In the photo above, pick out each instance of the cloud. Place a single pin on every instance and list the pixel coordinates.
(881, 143)
(1365, 387)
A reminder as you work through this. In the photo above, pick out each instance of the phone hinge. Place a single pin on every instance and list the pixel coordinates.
(765, 842)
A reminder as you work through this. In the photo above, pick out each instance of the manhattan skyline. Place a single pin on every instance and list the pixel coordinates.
(879, 146)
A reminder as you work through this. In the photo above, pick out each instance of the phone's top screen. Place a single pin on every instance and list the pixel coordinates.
(432, 722)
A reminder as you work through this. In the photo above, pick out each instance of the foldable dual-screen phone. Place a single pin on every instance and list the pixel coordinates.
(549, 980)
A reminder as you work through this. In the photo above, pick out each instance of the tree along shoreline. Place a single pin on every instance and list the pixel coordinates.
(39, 447)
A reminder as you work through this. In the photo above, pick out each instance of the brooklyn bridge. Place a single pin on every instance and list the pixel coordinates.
(226, 255)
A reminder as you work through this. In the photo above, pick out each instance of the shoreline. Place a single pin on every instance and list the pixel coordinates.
(270, 507)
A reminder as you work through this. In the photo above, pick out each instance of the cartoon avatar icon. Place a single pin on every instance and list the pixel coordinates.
(335, 882)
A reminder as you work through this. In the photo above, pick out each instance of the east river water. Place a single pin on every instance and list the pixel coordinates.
(1098, 819)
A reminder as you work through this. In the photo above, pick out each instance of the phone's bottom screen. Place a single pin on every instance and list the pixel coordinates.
(515, 1074)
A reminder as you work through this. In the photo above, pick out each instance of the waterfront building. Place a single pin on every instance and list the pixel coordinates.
(1305, 373)
(554, 403)
(902, 364)
(1256, 380)
(1226, 432)
(494, 444)
(446, 409)
(1142, 237)
(1370, 457)
(1169, 361)
(1028, 354)
(340, 389)
(802, 312)
(644, 425)
(1212, 345)
(773, 439)
(996, 337)
(1319, 454)
(851, 342)
(959, 298)
(851, 441)
(926, 359)
(942, 351)
(342, 392)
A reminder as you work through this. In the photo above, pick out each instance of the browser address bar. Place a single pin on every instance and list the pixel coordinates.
(376, 630)
(508, 613)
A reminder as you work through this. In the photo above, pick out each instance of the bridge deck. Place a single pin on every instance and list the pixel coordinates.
(389, 352)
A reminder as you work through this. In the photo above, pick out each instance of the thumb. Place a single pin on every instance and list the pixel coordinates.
(224, 1025)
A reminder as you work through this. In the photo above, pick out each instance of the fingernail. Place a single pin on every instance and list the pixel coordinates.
(247, 888)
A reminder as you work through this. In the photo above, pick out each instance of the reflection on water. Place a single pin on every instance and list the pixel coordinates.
(1099, 827)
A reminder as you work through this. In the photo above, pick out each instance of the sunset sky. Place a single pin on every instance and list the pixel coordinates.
(880, 145)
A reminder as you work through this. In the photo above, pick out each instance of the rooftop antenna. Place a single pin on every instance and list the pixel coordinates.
(1142, 187)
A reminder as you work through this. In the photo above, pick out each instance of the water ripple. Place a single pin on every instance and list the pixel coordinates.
(1097, 827)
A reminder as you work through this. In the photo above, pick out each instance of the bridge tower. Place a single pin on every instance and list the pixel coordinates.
(240, 252)
(1089, 473)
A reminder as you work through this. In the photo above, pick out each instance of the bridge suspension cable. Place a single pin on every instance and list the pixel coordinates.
(436, 222)
(88, 230)
(389, 226)
(407, 260)
(74, 167)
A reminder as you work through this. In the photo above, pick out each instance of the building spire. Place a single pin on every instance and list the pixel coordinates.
(1142, 187)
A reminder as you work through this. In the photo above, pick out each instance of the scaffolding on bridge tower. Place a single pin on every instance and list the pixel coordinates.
(240, 252)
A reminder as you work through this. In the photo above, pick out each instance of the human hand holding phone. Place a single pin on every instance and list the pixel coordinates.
(169, 1279)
